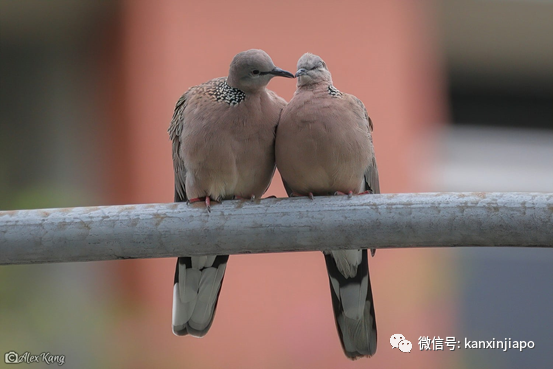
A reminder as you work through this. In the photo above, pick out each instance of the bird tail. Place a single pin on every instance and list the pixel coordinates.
(196, 290)
(352, 300)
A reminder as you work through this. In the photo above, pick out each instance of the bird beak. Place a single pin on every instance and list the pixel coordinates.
(281, 73)
(301, 72)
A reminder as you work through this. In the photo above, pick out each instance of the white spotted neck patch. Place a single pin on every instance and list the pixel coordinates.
(222, 92)
(333, 91)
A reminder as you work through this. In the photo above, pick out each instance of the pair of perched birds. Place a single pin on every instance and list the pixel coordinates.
(229, 133)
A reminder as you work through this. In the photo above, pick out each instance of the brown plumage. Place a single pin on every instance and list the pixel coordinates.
(223, 147)
(324, 146)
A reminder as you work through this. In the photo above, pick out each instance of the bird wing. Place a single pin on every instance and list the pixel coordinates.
(371, 172)
(175, 131)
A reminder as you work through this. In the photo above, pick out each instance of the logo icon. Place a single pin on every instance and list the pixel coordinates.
(11, 357)
(394, 340)
(405, 346)
(398, 341)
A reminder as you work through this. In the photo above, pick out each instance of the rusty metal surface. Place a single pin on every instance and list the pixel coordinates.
(276, 225)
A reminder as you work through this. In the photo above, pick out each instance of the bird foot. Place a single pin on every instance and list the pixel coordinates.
(295, 194)
(205, 199)
(251, 198)
(349, 194)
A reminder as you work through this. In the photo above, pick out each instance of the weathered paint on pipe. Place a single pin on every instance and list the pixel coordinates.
(276, 225)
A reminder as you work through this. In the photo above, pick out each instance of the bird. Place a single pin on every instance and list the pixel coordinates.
(222, 134)
(324, 147)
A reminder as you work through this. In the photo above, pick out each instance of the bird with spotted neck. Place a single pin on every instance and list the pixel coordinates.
(223, 135)
(324, 147)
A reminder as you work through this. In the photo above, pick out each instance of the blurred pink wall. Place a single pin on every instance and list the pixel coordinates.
(275, 310)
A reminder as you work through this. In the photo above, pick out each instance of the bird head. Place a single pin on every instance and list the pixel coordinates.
(252, 70)
(311, 70)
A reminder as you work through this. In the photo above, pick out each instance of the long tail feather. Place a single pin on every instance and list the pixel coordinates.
(198, 282)
(352, 301)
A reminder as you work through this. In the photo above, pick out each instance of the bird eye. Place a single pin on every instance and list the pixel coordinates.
(255, 72)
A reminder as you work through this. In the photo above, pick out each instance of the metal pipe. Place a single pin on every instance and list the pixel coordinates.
(276, 225)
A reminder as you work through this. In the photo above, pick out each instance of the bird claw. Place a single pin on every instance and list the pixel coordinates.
(310, 195)
(205, 199)
(252, 198)
(349, 194)
(197, 199)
